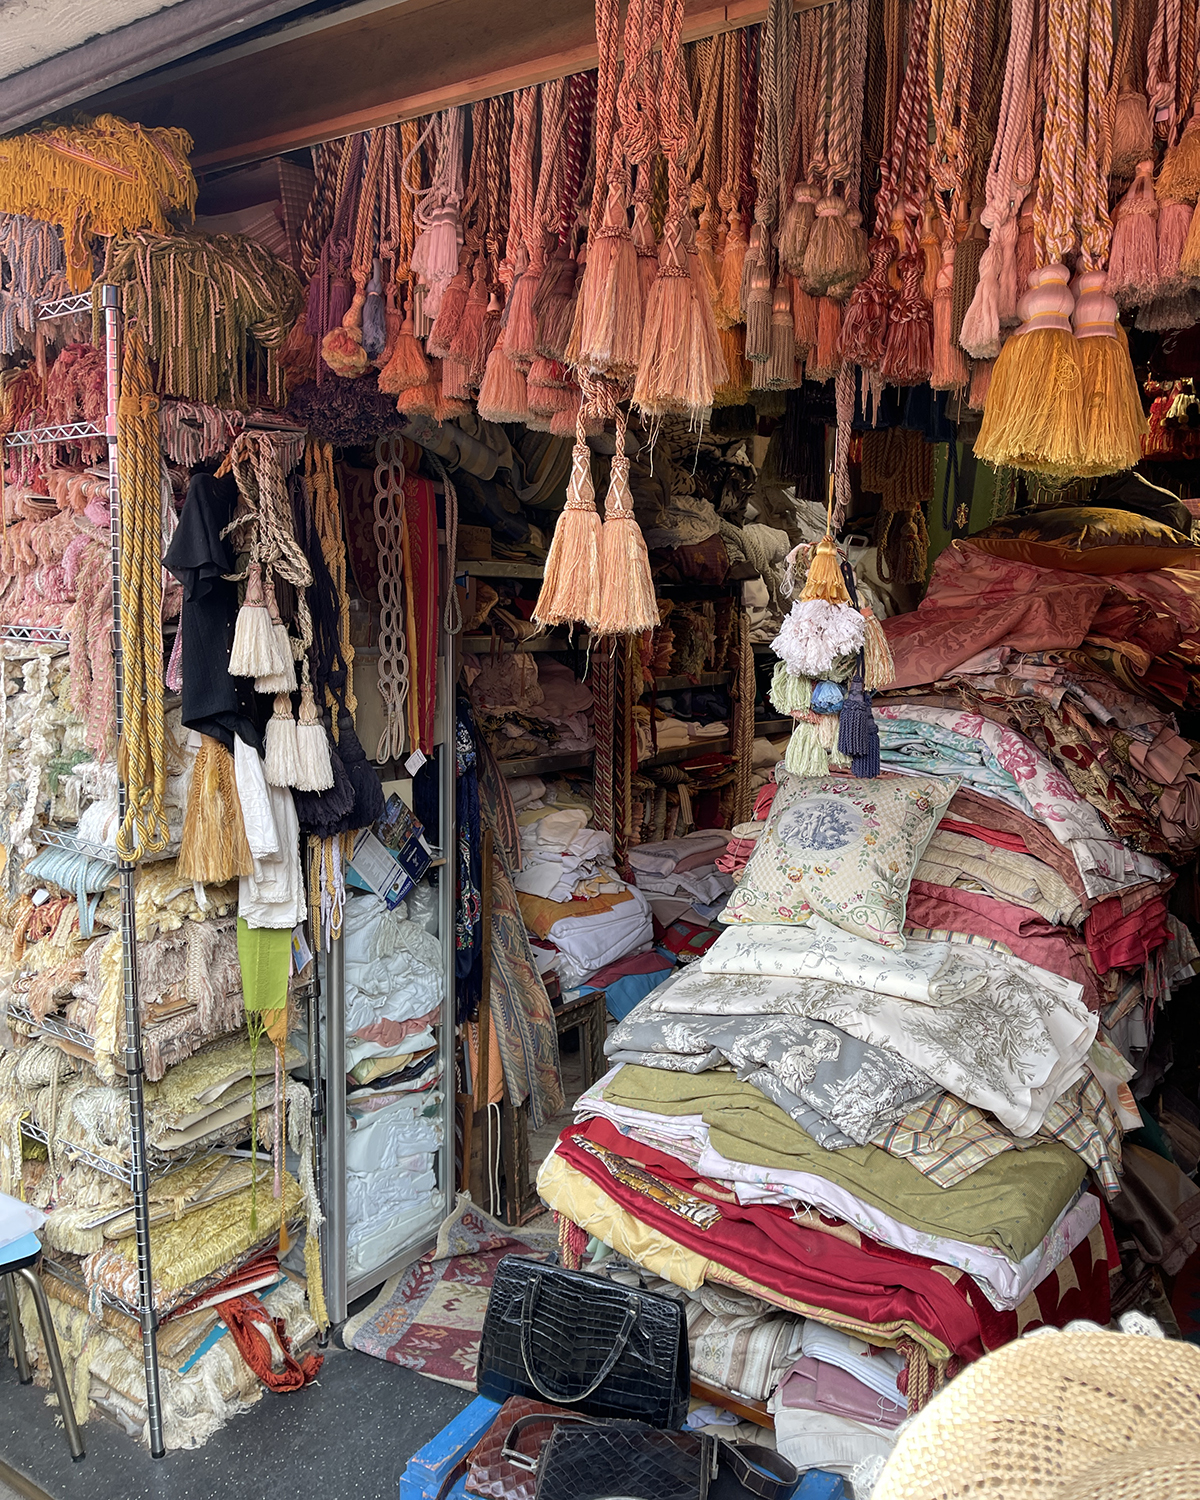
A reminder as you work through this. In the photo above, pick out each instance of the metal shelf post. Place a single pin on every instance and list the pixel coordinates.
(139, 1172)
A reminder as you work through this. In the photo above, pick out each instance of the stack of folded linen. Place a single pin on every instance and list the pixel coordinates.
(683, 867)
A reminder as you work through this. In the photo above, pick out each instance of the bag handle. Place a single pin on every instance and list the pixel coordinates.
(523, 1460)
(546, 1390)
(748, 1460)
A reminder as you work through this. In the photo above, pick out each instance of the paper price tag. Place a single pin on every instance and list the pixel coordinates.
(414, 762)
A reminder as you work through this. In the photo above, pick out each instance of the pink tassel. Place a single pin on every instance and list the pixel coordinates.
(1133, 260)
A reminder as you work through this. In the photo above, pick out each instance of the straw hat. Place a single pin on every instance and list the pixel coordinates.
(1078, 1415)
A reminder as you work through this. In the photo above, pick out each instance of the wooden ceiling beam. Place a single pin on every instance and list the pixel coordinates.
(397, 63)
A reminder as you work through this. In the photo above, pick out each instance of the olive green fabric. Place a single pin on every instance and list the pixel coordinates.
(1009, 1203)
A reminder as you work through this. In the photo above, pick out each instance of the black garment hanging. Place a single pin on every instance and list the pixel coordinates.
(214, 703)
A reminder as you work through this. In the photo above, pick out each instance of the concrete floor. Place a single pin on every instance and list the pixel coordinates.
(348, 1437)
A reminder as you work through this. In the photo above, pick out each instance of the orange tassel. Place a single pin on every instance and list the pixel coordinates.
(407, 366)
(804, 320)
(502, 396)
(607, 332)
(445, 325)
(949, 364)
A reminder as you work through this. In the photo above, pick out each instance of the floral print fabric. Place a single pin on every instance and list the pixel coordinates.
(843, 848)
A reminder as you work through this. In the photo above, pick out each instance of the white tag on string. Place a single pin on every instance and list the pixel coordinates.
(414, 763)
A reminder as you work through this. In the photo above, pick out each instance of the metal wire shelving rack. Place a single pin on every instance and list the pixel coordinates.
(136, 1172)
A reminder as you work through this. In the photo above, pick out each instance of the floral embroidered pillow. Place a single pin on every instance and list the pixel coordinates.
(844, 848)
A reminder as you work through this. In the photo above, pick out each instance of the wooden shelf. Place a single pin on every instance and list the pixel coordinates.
(682, 684)
(536, 765)
(482, 644)
(489, 567)
(715, 746)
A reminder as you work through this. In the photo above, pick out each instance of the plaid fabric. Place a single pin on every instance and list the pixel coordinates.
(947, 1140)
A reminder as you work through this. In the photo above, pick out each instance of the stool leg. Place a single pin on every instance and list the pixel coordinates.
(58, 1375)
(24, 1374)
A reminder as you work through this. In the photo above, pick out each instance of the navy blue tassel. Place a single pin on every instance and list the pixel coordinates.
(858, 738)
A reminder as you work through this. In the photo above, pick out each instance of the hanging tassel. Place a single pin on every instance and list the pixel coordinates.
(502, 396)
(804, 321)
(374, 316)
(570, 589)
(1114, 423)
(342, 347)
(829, 256)
(797, 226)
(1133, 134)
(734, 390)
(607, 333)
(858, 734)
(864, 327)
(1180, 174)
(464, 346)
(407, 368)
(859, 263)
(949, 367)
(733, 265)
(646, 249)
(1033, 418)
(213, 848)
(931, 248)
(981, 380)
(757, 302)
(681, 364)
(1133, 259)
(967, 258)
(314, 767)
(520, 332)
(255, 650)
(824, 579)
(790, 694)
(980, 332)
(283, 754)
(822, 625)
(364, 779)
(1189, 260)
(706, 257)
(780, 369)
(449, 316)
(805, 755)
(555, 306)
(627, 602)
(879, 669)
(283, 681)
(1174, 220)
(825, 359)
(908, 350)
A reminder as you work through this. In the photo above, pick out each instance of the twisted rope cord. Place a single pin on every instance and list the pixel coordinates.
(581, 95)
(1162, 67)
(1010, 173)
(638, 98)
(749, 114)
(731, 119)
(900, 171)
(774, 110)
(859, 18)
(520, 172)
(1055, 206)
(1095, 224)
(843, 136)
(393, 654)
(410, 144)
(498, 183)
(368, 209)
(321, 484)
(144, 827)
(609, 166)
(817, 95)
(318, 216)
(552, 168)
(949, 63)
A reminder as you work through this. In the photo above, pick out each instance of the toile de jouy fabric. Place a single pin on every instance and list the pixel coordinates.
(998, 761)
(929, 973)
(844, 848)
(1012, 1048)
(840, 1090)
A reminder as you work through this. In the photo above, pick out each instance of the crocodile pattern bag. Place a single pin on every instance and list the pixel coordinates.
(581, 1341)
(489, 1473)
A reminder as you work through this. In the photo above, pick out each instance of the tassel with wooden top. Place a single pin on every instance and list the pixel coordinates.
(570, 591)
(1114, 423)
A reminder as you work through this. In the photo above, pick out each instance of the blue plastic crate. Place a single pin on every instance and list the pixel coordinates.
(430, 1467)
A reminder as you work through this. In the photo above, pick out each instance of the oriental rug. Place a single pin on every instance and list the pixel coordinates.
(429, 1317)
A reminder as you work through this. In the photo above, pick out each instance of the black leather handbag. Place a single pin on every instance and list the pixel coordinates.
(581, 1341)
(588, 1460)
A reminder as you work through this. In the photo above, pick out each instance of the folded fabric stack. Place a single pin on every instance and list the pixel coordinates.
(529, 704)
(581, 915)
(394, 988)
(866, 1107)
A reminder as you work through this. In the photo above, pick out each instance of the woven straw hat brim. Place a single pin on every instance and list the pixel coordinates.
(1037, 1418)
